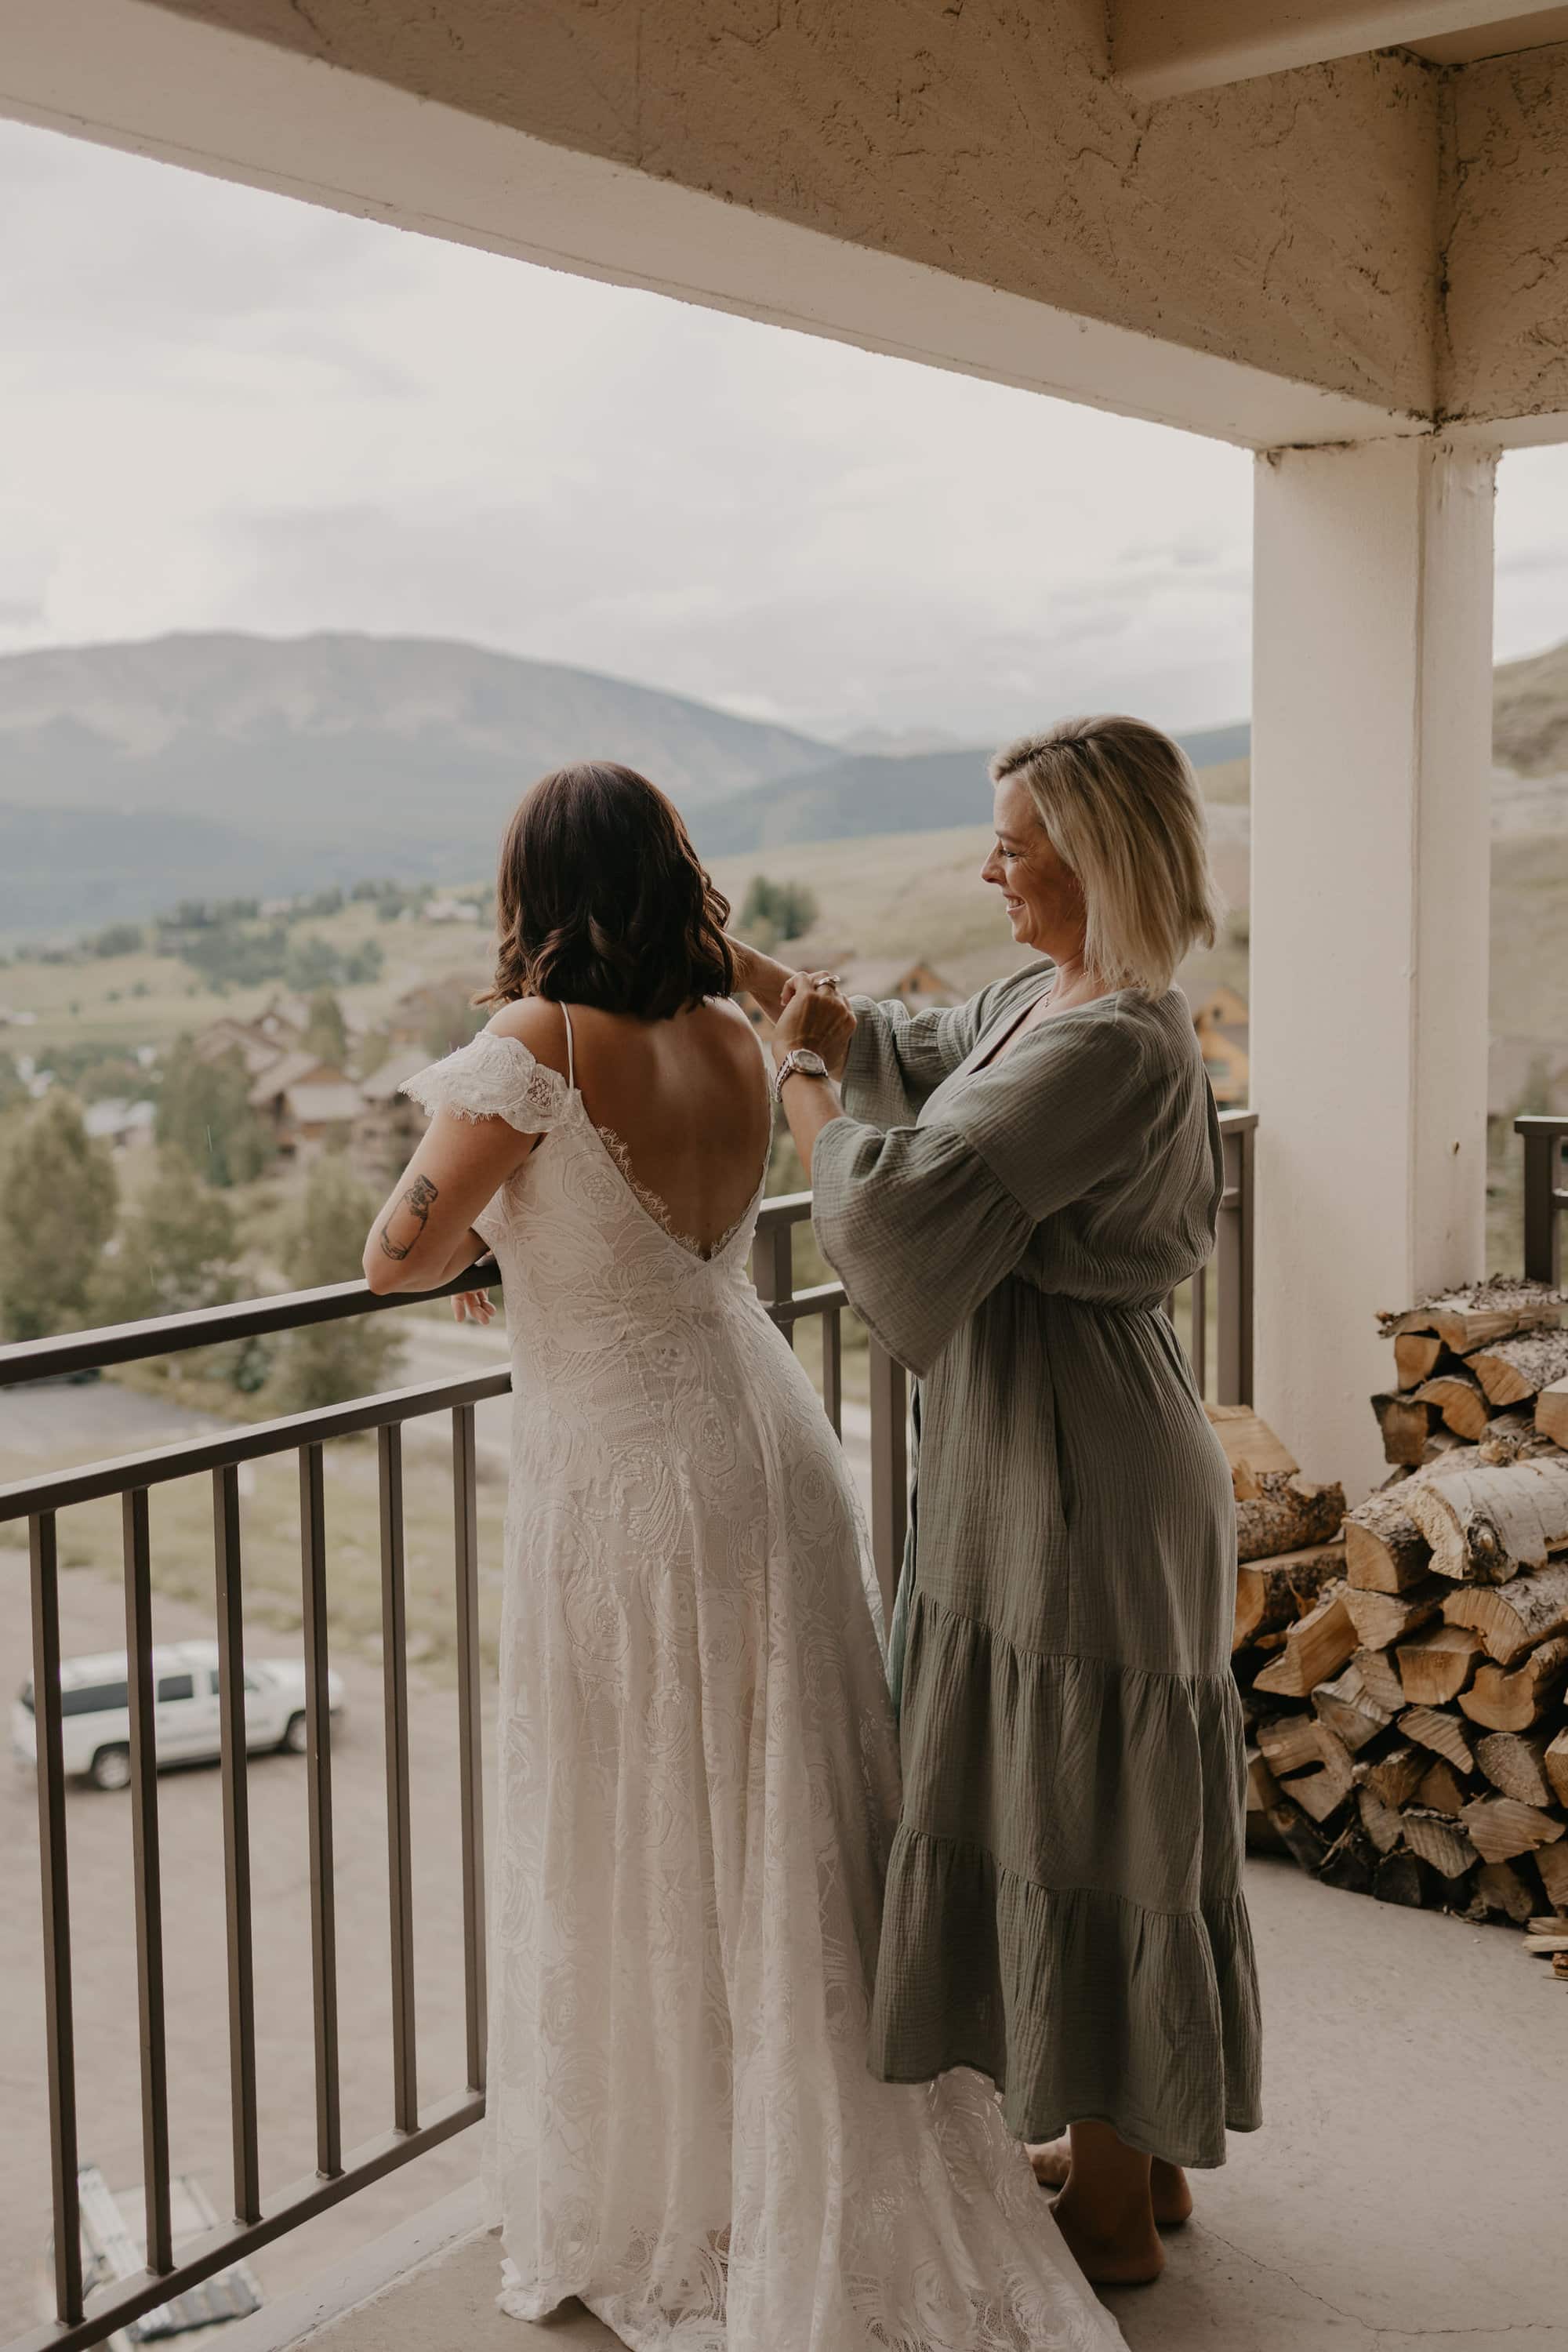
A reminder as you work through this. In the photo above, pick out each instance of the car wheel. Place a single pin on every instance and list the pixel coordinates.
(111, 1768)
(296, 1739)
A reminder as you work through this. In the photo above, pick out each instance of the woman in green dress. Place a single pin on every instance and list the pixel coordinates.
(1008, 1191)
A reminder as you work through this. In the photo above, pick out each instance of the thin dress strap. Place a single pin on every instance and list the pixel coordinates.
(571, 1070)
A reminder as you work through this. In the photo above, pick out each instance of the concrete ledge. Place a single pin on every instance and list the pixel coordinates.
(382, 2264)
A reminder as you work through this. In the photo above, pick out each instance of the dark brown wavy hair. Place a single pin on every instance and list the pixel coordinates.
(601, 900)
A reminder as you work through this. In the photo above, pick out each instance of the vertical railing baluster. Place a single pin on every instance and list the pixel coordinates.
(470, 1756)
(773, 1269)
(235, 1766)
(399, 1842)
(1198, 1335)
(319, 1807)
(145, 1861)
(832, 1367)
(59, 2015)
(890, 1469)
(1543, 1139)
(1233, 1268)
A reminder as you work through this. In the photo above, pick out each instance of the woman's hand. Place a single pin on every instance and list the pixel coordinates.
(815, 1015)
(473, 1306)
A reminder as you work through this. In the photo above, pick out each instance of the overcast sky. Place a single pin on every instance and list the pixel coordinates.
(226, 410)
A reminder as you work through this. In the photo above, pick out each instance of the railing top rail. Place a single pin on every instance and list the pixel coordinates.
(1541, 1123)
(208, 1326)
(220, 1449)
(249, 1319)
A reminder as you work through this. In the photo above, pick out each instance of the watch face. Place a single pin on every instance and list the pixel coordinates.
(812, 1063)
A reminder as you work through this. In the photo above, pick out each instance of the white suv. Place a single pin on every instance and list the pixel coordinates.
(95, 1706)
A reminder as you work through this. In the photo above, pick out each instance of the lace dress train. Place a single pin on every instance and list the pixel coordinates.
(698, 1787)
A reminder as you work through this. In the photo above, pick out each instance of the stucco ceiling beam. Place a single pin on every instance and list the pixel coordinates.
(1162, 48)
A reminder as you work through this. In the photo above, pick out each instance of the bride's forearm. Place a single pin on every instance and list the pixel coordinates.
(762, 976)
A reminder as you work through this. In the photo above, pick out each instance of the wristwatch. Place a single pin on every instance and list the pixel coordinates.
(802, 1060)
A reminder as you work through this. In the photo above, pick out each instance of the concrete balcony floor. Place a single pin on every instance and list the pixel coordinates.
(1408, 2189)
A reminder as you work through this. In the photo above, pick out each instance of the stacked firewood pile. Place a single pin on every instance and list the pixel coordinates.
(1404, 1666)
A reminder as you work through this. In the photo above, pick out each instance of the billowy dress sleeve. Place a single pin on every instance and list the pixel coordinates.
(493, 1077)
(899, 1058)
(922, 1223)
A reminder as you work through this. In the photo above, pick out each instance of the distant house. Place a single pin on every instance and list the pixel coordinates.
(124, 1126)
(387, 1125)
(308, 1103)
(918, 985)
(419, 1009)
(913, 982)
(1221, 1020)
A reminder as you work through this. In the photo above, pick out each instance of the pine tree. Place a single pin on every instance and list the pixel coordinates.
(326, 1031)
(325, 1363)
(176, 1250)
(58, 1196)
(203, 1110)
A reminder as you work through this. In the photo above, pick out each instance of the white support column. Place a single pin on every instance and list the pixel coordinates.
(1370, 852)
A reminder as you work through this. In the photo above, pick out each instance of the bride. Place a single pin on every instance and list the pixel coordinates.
(698, 1763)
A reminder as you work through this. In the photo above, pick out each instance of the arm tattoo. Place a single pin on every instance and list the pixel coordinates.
(416, 1200)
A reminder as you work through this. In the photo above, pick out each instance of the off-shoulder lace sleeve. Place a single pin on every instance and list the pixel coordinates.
(493, 1077)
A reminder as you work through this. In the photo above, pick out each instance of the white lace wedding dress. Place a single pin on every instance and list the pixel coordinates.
(698, 1787)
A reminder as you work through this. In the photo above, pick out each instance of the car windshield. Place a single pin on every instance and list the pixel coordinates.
(94, 1698)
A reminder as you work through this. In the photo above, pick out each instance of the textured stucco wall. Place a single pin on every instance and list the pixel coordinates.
(1289, 224)
(1503, 227)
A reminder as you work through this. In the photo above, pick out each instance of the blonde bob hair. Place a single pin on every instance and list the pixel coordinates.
(1120, 805)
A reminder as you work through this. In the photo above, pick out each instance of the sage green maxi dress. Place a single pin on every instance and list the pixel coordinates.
(1064, 1907)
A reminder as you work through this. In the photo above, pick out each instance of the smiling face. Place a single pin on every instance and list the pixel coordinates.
(1044, 898)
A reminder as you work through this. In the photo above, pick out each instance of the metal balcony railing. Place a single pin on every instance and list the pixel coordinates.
(1545, 1195)
(415, 2125)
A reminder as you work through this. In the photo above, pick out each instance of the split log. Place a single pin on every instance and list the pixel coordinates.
(1405, 1425)
(1501, 1888)
(1552, 1413)
(1384, 1824)
(1395, 1775)
(1290, 1744)
(1551, 1862)
(1505, 1700)
(1442, 1790)
(1316, 1647)
(1439, 1840)
(1417, 1355)
(1556, 1762)
(1321, 1794)
(1305, 1844)
(1349, 1709)
(1351, 1863)
(1404, 1877)
(1559, 1965)
(1385, 1551)
(1486, 1525)
(1288, 1514)
(1250, 1446)
(1443, 1733)
(1499, 1829)
(1380, 1619)
(1514, 1762)
(1459, 1400)
(1379, 1675)
(1546, 1947)
(1435, 1664)
(1513, 1617)
(1271, 1593)
(1513, 1437)
(1511, 1371)
(1480, 1312)
(1262, 1795)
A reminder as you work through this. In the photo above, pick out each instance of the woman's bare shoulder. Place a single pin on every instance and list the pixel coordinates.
(536, 1023)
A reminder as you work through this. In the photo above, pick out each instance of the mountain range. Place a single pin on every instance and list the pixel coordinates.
(133, 775)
